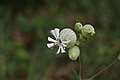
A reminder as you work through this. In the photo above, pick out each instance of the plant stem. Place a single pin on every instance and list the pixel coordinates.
(103, 70)
(76, 74)
(80, 67)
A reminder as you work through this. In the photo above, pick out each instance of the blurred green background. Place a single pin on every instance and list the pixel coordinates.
(26, 24)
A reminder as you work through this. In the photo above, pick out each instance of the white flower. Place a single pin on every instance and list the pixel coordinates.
(62, 39)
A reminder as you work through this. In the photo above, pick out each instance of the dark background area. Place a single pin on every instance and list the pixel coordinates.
(26, 24)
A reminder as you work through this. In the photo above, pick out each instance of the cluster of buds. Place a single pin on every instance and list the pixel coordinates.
(85, 31)
(67, 39)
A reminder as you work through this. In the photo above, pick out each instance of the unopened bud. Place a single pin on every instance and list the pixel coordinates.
(78, 26)
(87, 30)
(81, 37)
(74, 52)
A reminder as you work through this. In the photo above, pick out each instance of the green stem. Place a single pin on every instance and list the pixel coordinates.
(80, 66)
(103, 70)
(75, 74)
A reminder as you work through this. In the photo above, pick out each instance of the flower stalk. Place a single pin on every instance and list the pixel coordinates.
(80, 67)
(103, 70)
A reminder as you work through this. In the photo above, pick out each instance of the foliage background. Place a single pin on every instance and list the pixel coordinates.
(25, 26)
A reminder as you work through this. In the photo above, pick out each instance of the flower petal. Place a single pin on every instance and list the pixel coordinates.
(66, 42)
(49, 45)
(55, 32)
(51, 40)
(62, 49)
(64, 45)
(58, 50)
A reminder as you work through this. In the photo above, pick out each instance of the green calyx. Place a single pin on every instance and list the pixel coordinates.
(78, 26)
(74, 52)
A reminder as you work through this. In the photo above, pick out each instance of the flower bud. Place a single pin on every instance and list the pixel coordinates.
(78, 26)
(87, 30)
(74, 52)
(78, 42)
(81, 37)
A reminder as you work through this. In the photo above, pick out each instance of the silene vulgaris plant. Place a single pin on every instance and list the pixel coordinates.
(68, 41)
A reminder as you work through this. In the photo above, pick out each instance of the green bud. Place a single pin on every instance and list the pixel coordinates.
(78, 26)
(74, 52)
(81, 37)
(87, 30)
(78, 42)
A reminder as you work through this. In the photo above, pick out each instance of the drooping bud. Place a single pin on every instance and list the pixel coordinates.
(78, 26)
(74, 52)
(87, 30)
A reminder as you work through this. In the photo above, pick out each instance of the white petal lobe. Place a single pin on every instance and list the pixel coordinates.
(62, 49)
(64, 45)
(49, 45)
(51, 40)
(57, 32)
(58, 50)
